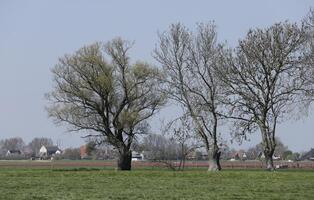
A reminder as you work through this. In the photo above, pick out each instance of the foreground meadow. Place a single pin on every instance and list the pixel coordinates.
(154, 184)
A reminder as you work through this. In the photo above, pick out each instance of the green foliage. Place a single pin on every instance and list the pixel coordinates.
(90, 148)
(287, 155)
(147, 184)
(99, 90)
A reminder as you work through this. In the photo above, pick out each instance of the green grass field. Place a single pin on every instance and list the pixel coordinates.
(154, 184)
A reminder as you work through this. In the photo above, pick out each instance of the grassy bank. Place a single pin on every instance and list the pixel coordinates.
(154, 184)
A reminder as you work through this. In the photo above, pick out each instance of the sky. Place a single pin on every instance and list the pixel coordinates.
(34, 34)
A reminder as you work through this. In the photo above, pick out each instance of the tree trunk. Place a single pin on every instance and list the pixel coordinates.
(125, 159)
(269, 145)
(214, 159)
(269, 160)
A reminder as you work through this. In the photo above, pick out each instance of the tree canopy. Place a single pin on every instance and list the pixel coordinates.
(263, 80)
(110, 100)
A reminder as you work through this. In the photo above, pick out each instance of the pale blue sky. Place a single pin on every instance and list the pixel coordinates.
(33, 34)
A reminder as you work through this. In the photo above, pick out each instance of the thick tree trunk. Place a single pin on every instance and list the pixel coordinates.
(269, 144)
(269, 160)
(214, 159)
(125, 159)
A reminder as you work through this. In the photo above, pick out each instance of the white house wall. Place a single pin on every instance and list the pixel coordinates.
(43, 150)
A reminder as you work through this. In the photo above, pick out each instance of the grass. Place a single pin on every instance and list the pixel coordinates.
(84, 183)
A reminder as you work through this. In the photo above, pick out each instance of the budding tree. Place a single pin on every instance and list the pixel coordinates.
(110, 100)
(189, 61)
(263, 80)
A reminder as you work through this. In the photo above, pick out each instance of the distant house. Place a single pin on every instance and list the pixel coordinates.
(238, 155)
(262, 156)
(309, 155)
(13, 153)
(49, 151)
(83, 152)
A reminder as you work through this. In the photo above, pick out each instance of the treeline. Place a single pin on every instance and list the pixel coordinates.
(158, 147)
(16, 148)
(267, 78)
(165, 148)
(152, 147)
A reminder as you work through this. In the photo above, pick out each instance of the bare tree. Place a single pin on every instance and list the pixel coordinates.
(71, 153)
(280, 149)
(106, 152)
(254, 152)
(263, 80)
(308, 21)
(159, 148)
(110, 100)
(189, 61)
(37, 143)
(182, 132)
(15, 143)
(310, 18)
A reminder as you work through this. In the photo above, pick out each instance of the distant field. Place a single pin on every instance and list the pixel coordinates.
(144, 164)
(93, 183)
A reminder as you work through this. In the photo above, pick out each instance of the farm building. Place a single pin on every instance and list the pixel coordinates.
(238, 155)
(262, 156)
(48, 151)
(137, 156)
(13, 153)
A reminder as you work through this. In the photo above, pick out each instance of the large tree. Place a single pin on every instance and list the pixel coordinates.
(110, 100)
(189, 61)
(263, 80)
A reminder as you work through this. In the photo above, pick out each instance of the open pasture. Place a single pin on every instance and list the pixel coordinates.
(146, 183)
